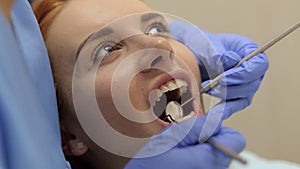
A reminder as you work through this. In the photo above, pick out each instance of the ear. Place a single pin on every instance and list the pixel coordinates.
(76, 147)
(71, 145)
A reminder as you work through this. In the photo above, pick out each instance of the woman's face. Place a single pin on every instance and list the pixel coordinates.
(127, 72)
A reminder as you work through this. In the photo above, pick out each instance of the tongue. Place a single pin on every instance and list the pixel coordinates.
(173, 95)
(160, 107)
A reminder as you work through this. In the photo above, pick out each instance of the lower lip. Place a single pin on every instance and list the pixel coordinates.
(163, 123)
(166, 124)
(197, 109)
(199, 113)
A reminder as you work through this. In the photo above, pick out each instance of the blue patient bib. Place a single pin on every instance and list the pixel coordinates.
(29, 126)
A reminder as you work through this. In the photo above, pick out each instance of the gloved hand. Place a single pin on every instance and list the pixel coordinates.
(178, 147)
(218, 52)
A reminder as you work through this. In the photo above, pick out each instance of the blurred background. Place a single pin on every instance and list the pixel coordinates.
(271, 124)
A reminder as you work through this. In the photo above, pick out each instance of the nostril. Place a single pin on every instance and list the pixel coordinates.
(172, 55)
(156, 60)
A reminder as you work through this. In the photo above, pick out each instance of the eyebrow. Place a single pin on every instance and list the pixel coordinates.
(103, 32)
(149, 16)
(99, 34)
(108, 31)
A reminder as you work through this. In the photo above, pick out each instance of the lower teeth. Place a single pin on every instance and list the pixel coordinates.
(192, 114)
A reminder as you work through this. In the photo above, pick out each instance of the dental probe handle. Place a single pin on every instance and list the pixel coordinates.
(214, 81)
(227, 151)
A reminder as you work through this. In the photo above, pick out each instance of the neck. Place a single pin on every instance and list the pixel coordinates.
(98, 159)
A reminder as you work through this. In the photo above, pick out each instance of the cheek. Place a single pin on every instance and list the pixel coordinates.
(186, 55)
(109, 106)
(103, 93)
(139, 92)
(103, 82)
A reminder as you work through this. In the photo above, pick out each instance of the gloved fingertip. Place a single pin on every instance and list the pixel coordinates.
(181, 31)
(225, 81)
(203, 84)
(234, 76)
(230, 59)
(228, 108)
(217, 91)
(231, 139)
(177, 28)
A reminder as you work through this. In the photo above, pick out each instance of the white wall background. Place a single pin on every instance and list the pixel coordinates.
(271, 124)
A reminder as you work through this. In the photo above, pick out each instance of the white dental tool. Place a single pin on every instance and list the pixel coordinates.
(174, 109)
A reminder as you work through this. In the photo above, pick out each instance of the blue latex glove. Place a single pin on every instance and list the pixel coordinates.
(218, 52)
(178, 147)
(29, 126)
(214, 53)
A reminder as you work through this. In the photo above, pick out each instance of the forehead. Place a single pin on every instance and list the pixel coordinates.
(127, 26)
(79, 18)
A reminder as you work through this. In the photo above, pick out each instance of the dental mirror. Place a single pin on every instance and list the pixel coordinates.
(174, 111)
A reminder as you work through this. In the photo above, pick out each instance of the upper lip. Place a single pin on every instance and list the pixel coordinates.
(165, 77)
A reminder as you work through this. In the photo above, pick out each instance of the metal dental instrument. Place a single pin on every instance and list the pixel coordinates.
(214, 82)
(227, 151)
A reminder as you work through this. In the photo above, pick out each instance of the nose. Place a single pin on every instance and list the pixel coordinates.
(154, 51)
(145, 42)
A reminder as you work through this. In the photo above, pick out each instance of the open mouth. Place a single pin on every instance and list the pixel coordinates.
(173, 90)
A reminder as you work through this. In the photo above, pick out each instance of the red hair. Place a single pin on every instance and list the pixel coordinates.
(45, 11)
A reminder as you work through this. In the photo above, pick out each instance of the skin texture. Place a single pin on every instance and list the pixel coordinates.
(5, 7)
(76, 21)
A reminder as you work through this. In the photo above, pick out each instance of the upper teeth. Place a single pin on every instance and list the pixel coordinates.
(173, 84)
(170, 86)
(173, 111)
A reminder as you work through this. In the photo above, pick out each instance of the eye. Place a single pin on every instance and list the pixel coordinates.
(104, 49)
(157, 28)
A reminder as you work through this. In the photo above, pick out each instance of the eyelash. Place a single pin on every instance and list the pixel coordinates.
(103, 44)
(114, 46)
(160, 25)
